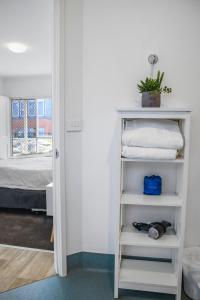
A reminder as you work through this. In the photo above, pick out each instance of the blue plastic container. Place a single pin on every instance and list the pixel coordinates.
(152, 185)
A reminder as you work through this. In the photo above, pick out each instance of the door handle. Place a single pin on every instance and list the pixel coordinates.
(57, 153)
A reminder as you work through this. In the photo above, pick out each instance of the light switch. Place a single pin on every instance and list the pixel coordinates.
(74, 125)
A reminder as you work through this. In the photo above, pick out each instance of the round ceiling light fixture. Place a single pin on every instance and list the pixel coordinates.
(17, 47)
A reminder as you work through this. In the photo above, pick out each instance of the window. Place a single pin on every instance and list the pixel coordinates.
(31, 126)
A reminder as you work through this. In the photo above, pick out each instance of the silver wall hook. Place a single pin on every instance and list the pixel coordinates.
(153, 59)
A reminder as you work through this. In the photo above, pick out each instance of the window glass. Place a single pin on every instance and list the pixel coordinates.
(15, 109)
(31, 108)
(40, 105)
(21, 108)
(48, 108)
(41, 131)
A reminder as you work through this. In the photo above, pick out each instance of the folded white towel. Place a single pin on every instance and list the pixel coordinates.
(152, 134)
(148, 153)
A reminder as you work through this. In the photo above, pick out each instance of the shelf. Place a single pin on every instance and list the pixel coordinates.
(172, 161)
(169, 200)
(132, 237)
(152, 276)
(154, 109)
(143, 274)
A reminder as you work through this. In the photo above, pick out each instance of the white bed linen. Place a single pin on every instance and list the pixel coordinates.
(153, 134)
(148, 153)
(26, 173)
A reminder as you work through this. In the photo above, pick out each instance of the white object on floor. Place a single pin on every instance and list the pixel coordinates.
(191, 272)
(148, 153)
(49, 199)
(152, 134)
(26, 173)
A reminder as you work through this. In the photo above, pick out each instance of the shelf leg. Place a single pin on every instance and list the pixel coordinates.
(116, 293)
(178, 295)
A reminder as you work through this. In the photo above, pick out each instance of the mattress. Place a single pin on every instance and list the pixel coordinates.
(26, 173)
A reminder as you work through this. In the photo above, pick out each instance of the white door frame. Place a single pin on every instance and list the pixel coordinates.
(59, 201)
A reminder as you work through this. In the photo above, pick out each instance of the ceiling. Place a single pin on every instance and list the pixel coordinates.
(28, 22)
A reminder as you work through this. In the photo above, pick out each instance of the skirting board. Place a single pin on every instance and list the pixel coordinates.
(97, 261)
(89, 260)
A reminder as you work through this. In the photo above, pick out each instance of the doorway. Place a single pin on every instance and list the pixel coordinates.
(56, 190)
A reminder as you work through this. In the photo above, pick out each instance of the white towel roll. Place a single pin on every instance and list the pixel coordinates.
(148, 153)
(152, 134)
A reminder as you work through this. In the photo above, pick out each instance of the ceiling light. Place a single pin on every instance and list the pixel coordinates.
(17, 47)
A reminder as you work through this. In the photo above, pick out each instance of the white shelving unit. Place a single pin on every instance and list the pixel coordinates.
(142, 263)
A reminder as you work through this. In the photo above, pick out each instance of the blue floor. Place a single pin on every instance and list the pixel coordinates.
(78, 285)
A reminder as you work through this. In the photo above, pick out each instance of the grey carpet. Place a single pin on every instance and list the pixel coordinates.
(25, 229)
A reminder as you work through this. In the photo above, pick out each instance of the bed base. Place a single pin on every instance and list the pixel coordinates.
(23, 199)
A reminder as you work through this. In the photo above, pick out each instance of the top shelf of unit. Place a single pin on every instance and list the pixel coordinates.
(154, 113)
(175, 161)
(153, 109)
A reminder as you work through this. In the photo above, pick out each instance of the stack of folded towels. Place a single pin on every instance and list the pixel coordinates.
(151, 139)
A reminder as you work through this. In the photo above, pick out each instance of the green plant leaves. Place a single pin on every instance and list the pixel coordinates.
(151, 84)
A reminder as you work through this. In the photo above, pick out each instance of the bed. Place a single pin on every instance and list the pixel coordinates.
(23, 182)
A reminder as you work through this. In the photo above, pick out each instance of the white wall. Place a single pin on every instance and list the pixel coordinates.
(73, 94)
(1, 86)
(27, 86)
(117, 39)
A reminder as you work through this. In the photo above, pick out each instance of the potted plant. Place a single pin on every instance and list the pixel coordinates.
(151, 90)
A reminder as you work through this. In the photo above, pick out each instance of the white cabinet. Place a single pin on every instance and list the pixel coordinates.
(142, 263)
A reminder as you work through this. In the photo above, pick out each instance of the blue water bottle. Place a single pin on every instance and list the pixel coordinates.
(152, 185)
